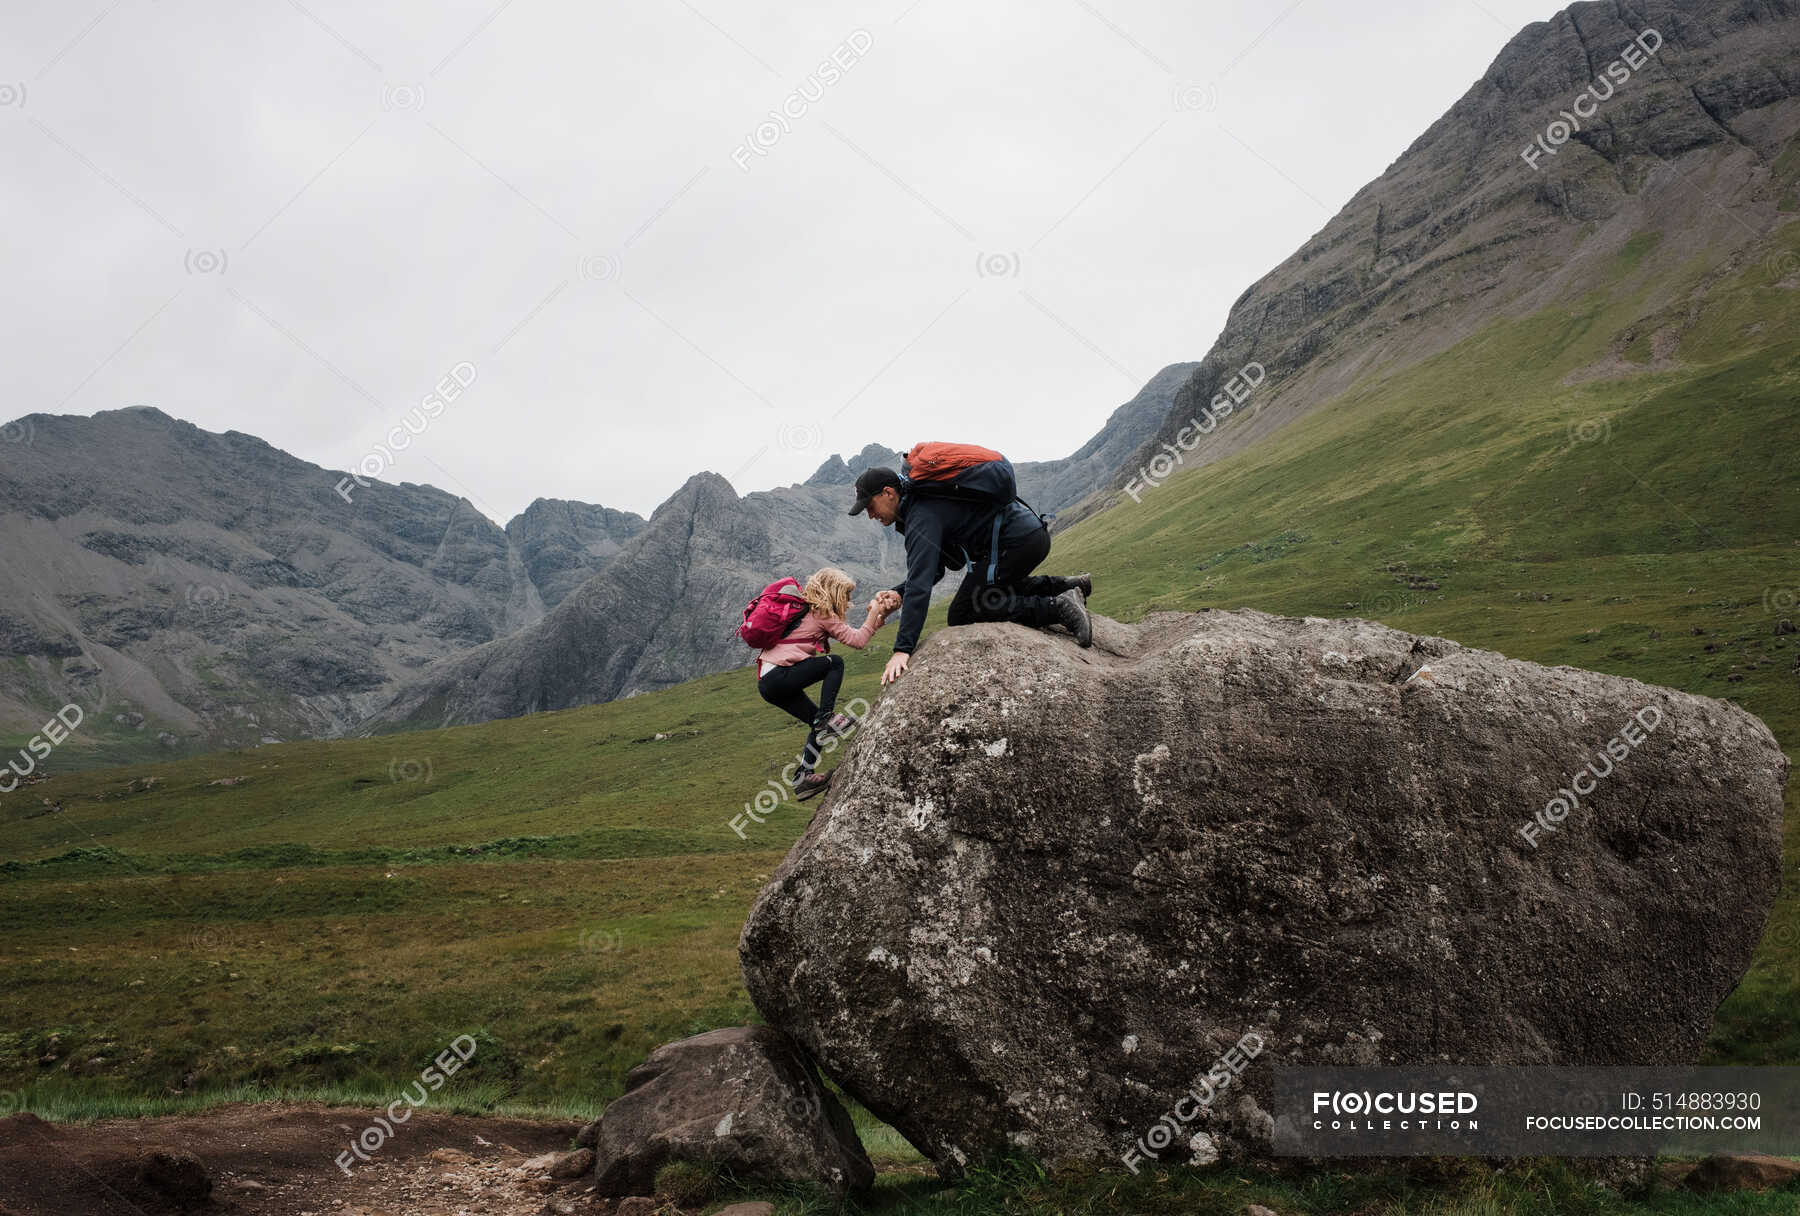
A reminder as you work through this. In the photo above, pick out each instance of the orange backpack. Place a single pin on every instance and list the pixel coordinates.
(943, 461)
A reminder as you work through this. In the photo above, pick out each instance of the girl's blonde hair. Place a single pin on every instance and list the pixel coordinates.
(828, 592)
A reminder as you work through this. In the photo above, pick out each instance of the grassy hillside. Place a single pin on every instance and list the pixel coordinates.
(568, 887)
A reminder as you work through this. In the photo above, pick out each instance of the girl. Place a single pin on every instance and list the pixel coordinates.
(785, 670)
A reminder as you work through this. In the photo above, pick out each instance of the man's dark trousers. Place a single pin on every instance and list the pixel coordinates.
(1015, 594)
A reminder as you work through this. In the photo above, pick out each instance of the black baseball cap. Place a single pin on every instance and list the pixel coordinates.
(870, 483)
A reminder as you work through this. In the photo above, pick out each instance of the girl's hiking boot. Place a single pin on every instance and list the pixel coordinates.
(811, 784)
(836, 726)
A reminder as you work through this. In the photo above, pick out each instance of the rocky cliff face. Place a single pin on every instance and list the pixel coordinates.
(218, 591)
(1051, 889)
(563, 543)
(1463, 230)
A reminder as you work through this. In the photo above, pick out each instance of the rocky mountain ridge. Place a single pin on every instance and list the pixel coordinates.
(198, 590)
(1503, 207)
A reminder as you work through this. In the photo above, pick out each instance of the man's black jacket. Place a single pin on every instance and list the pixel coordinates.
(945, 534)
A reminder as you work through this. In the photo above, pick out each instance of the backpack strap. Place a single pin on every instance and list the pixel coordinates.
(994, 544)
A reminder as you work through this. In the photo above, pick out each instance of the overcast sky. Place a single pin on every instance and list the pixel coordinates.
(988, 222)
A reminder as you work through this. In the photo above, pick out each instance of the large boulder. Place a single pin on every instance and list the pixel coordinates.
(1054, 891)
(743, 1098)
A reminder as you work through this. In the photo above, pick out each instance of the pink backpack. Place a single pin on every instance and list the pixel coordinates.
(773, 614)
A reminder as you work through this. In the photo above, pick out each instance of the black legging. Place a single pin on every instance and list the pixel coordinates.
(785, 688)
(1016, 594)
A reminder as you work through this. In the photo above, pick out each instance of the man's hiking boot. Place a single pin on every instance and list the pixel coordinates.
(1083, 583)
(811, 784)
(1072, 614)
(836, 726)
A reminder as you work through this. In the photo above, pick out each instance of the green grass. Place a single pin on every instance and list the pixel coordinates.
(568, 887)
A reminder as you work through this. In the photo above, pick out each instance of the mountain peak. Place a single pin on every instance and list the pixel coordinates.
(872, 457)
(833, 472)
(700, 491)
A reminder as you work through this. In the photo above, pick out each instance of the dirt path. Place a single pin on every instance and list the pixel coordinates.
(280, 1160)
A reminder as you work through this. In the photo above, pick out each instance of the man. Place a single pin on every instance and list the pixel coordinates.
(944, 533)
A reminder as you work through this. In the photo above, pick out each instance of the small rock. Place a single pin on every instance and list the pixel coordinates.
(757, 1208)
(573, 1165)
(743, 1098)
(634, 1205)
(1257, 1209)
(1783, 627)
(449, 1156)
(1742, 1172)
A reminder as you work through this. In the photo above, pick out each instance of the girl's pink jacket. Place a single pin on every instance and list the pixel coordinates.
(809, 636)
